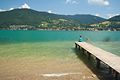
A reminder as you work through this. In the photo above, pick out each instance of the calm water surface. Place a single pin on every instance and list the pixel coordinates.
(54, 43)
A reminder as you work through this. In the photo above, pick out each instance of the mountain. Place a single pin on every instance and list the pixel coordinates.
(23, 16)
(87, 19)
(43, 19)
(115, 18)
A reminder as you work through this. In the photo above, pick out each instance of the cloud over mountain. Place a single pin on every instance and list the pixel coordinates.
(1, 10)
(11, 8)
(111, 15)
(25, 6)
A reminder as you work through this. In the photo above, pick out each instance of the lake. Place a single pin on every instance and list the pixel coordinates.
(108, 40)
(30, 55)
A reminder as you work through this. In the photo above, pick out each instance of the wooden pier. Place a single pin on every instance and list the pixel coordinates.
(111, 60)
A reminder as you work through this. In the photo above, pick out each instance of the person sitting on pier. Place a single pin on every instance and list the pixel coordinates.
(80, 39)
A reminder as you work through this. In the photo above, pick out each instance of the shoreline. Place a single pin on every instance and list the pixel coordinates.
(63, 29)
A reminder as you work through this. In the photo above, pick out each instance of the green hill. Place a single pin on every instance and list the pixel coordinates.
(43, 19)
(110, 24)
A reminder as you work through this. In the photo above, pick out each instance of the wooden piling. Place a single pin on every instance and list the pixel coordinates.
(97, 63)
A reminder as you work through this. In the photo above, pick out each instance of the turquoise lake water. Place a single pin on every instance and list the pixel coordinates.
(43, 36)
(21, 43)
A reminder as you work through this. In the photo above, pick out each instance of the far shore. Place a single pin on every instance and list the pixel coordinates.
(65, 29)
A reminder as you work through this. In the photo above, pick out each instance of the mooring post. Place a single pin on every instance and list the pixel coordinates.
(97, 63)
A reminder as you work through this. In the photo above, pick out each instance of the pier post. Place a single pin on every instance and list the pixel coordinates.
(81, 50)
(89, 55)
(116, 75)
(79, 47)
(110, 70)
(75, 45)
(97, 63)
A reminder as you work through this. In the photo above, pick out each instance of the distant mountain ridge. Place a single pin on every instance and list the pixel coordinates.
(36, 18)
(115, 18)
(87, 18)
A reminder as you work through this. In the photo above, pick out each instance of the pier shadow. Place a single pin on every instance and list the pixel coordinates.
(102, 73)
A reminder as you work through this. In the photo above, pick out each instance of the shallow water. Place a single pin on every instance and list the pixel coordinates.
(33, 60)
(59, 49)
(113, 47)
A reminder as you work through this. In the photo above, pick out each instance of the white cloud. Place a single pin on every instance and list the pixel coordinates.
(49, 11)
(71, 2)
(11, 8)
(99, 2)
(1, 10)
(97, 14)
(111, 15)
(24, 6)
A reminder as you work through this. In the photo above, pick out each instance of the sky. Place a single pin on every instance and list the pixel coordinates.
(102, 8)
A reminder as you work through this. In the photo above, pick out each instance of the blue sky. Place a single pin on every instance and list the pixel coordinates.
(102, 8)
